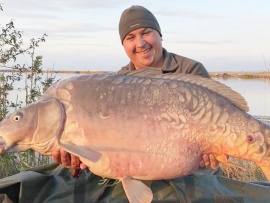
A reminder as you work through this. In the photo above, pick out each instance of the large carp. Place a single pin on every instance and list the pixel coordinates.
(136, 128)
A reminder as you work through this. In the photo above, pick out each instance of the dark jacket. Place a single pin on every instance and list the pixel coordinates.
(174, 63)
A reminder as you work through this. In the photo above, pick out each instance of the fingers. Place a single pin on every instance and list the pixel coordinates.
(209, 161)
(56, 157)
(69, 161)
(205, 162)
(75, 161)
(82, 166)
(77, 166)
(76, 172)
(66, 159)
(213, 162)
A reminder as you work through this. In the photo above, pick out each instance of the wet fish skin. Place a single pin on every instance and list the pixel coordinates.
(37, 126)
(140, 127)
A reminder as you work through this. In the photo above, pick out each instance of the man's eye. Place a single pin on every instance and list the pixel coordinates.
(129, 38)
(147, 33)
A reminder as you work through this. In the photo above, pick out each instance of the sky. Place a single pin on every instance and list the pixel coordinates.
(224, 35)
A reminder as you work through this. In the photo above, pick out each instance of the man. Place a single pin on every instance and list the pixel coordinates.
(141, 37)
(142, 40)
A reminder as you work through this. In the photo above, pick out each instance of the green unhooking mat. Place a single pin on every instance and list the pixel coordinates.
(54, 184)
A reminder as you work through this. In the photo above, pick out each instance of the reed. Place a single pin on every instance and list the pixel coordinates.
(12, 47)
(35, 85)
(246, 171)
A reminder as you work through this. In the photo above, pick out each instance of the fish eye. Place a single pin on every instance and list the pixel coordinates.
(18, 116)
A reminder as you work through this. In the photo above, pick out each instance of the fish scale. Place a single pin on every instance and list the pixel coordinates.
(144, 128)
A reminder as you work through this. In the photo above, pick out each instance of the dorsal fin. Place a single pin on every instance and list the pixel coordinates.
(210, 84)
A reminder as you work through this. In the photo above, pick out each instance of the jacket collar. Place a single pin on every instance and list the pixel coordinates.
(169, 64)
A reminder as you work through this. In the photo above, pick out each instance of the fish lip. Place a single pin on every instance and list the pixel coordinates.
(3, 144)
(5, 147)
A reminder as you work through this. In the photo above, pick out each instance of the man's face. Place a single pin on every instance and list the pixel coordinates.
(144, 48)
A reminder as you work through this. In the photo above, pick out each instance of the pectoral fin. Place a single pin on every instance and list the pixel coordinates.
(136, 191)
(81, 151)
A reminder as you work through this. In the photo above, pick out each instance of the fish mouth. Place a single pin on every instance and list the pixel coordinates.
(2, 145)
(5, 147)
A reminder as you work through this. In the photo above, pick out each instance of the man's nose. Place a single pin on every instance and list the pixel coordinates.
(140, 41)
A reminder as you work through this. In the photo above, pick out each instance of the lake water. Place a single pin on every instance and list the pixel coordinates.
(255, 91)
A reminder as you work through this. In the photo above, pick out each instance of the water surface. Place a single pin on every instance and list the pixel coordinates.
(255, 91)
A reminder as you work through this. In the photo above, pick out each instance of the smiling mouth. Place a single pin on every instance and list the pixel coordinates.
(144, 51)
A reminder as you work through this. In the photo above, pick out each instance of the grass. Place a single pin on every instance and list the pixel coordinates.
(35, 84)
(248, 171)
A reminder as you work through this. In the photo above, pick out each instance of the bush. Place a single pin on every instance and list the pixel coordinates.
(11, 47)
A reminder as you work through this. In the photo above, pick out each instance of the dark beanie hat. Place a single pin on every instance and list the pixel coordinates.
(134, 18)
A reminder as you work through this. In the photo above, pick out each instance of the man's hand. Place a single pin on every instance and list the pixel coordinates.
(209, 161)
(69, 161)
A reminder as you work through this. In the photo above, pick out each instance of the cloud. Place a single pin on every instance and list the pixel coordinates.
(73, 27)
(85, 4)
(185, 12)
(205, 42)
(196, 29)
(33, 15)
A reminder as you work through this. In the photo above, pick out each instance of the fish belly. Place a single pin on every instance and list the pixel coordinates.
(139, 134)
(152, 162)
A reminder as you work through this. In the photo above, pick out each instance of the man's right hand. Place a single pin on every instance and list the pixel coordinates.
(69, 161)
